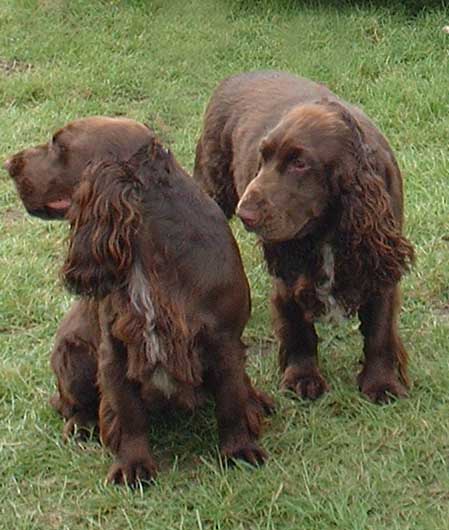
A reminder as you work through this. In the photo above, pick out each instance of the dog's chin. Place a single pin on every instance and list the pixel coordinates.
(272, 237)
(307, 228)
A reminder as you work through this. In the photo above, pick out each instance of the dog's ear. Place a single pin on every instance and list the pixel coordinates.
(370, 235)
(104, 219)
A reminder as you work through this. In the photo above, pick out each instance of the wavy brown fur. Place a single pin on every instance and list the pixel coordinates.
(176, 340)
(103, 257)
(371, 251)
(104, 219)
(318, 183)
(158, 257)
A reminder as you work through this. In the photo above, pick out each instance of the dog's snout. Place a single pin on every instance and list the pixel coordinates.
(249, 217)
(7, 164)
(250, 209)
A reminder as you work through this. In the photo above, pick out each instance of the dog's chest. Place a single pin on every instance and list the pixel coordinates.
(163, 382)
(162, 389)
(316, 295)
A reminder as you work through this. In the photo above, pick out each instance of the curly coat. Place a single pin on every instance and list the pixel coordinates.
(157, 256)
(314, 178)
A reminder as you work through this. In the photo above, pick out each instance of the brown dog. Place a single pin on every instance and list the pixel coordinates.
(46, 175)
(159, 258)
(320, 186)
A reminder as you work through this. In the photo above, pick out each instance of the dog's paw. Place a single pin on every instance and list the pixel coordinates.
(311, 385)
(130, 473)
(266, 402)
(247, 451)
(79, 429)
(381, 390)
(261, 401)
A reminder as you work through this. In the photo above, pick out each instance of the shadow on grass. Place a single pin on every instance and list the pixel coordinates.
(406, 8)
(174, 437)
(186, 438)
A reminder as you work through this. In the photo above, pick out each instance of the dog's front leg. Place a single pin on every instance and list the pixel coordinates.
(238, 425)
(123, 417)
(385, 363)
(298, 348)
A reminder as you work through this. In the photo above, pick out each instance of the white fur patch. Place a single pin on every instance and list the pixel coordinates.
(140, 297)
(334, 311)
(163, 381)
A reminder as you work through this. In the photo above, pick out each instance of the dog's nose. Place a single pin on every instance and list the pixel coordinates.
(7, 164)
(249, 216)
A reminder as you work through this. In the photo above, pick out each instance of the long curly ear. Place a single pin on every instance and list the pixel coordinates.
(372, 250)
(104, 218)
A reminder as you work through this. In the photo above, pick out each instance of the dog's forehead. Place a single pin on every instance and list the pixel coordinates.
(314, 118)
(85, 134)
(79, 135)
(306, 125)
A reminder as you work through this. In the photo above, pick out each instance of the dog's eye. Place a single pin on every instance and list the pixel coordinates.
(266, 153)
(56, 145)
(297, 163)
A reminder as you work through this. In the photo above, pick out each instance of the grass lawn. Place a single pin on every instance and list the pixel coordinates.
(339, 463)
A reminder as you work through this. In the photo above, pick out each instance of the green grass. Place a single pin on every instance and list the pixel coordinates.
(338, 463)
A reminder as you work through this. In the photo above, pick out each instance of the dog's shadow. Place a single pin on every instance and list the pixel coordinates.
(406, 8)
(176, 438)
(184, 438)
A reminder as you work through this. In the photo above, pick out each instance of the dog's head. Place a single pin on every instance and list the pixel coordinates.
(47, 175)
(292, 188)
(317, 160)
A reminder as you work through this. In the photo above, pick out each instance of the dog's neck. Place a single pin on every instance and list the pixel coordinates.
(308, 267)
(288, 260)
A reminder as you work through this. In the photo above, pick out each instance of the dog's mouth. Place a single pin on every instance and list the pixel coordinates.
(52, 210)
(269, 236)
(60, 205)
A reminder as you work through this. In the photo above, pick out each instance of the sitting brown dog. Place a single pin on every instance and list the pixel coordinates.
(157, 256)
(320, 186)
(46, 175)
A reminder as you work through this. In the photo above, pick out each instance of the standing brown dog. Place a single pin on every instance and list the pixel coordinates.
(160, 260)
(320, 186)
